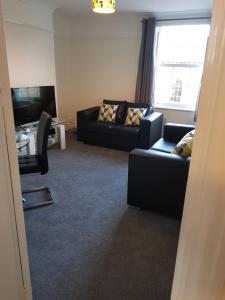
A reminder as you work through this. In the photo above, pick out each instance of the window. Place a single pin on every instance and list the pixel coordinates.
(180, 54)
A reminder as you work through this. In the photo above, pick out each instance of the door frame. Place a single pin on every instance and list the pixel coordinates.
(200, 265)
(14, 203)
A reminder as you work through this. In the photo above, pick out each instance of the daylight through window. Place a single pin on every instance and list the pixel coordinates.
(180, 55)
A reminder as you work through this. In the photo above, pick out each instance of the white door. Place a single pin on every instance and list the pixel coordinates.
(14, 269)
(11, 281)
(200, 267)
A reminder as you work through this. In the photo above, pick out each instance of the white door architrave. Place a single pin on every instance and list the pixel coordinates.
(200, 265)
(14, 268)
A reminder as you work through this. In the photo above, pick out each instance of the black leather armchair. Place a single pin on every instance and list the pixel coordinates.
(116, 135)
(156, 178)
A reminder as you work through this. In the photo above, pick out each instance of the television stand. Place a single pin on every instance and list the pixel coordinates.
(60, 132)
(59, 135)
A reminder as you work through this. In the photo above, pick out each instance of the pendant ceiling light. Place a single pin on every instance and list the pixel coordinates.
(104, 6)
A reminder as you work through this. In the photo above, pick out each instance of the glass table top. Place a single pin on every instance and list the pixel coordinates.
(22, 140)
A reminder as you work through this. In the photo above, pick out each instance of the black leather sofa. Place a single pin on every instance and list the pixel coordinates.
(156, 178)
(116, 135)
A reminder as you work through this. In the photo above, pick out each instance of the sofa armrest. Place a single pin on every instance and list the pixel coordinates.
(84, 116)
(175, 132)
(158, 157)
(150, 129)
(157, 181)
(89, 114)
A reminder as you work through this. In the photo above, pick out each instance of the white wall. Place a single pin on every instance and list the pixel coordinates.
(96, 59)
(30, 43)
(177, 116)
(92, 57)
(31, 56)
(28, 12)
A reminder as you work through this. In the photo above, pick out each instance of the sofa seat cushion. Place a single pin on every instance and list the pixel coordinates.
(163, 146)
(125, 131)
(99, 127)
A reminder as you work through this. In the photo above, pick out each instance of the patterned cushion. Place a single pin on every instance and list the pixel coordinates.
(134, 116)
(107, 113)
(184, 147)
(140, 105)
(121, 111)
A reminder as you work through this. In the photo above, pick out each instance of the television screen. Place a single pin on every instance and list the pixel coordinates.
(29, 102)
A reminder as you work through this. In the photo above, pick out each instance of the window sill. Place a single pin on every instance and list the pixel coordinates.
(174, 108)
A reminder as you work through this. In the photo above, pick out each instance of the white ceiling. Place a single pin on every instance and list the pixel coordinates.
(127, 6)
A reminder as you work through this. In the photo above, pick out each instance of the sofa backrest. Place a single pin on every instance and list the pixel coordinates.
(175, 132)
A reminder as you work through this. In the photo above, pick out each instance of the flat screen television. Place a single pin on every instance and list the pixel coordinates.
(29, 102)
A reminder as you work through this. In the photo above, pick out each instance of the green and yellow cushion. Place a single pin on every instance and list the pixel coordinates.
(184, 147)
(134, 116)
(107, 113)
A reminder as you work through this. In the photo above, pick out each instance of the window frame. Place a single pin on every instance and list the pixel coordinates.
(160, 23)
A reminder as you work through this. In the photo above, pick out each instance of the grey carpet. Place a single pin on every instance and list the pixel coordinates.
(90, 244)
